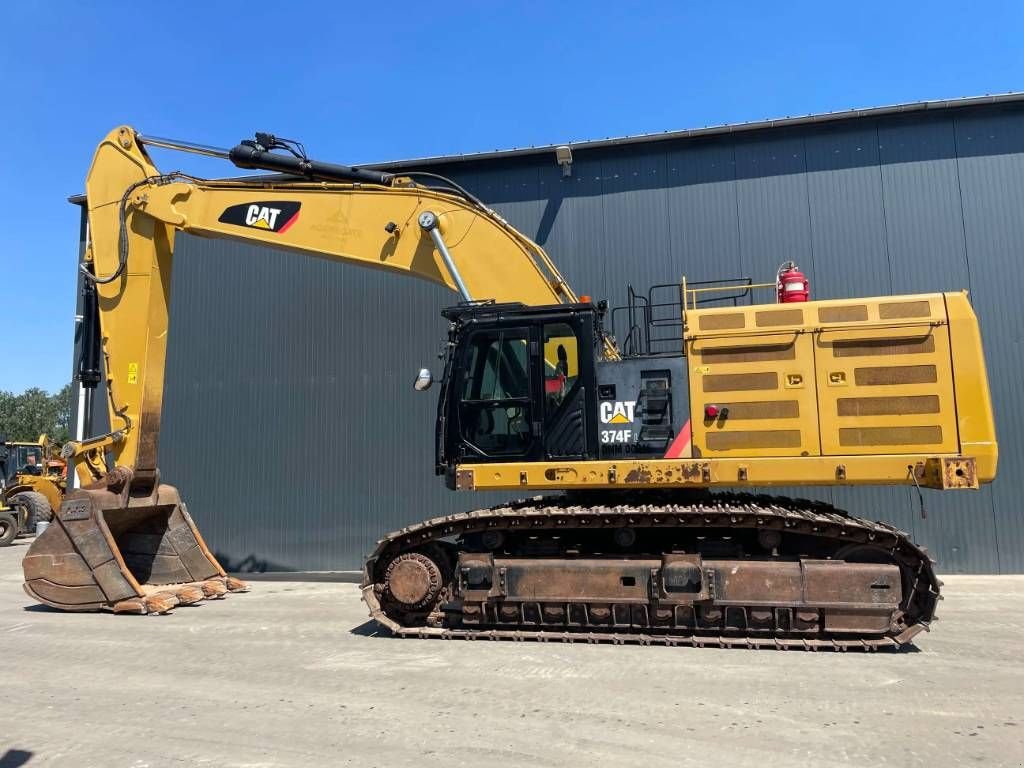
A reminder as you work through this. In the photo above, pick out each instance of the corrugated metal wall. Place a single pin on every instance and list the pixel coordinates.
(290, 421)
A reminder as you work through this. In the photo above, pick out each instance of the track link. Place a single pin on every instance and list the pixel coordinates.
(730, 511)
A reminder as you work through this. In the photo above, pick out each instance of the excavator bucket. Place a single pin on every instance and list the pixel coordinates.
(113, 551)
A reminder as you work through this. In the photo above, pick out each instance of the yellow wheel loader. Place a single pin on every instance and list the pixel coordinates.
(32, 483)
(35, 471)
(654, 526)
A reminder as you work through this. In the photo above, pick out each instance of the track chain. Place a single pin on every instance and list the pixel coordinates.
(735, 510)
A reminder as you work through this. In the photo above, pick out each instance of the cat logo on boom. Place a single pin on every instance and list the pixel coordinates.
(262, 216)
(271, 215)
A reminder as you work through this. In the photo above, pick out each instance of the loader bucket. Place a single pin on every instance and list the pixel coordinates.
(109, 551)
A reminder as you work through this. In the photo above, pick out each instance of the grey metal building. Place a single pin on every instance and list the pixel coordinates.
(290, 422)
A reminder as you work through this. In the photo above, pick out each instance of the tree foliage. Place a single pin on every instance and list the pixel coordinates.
(34, 412)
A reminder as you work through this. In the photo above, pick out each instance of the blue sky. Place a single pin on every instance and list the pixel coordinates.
(359, 82)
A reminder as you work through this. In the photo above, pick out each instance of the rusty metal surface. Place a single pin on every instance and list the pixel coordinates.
(880, 593)
(413, 579)
(107, 549)
(951, 472)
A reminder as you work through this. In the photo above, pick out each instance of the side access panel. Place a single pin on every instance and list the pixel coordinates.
(885, 390)
(760, 379)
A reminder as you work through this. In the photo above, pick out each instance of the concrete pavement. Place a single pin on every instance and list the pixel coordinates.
(291, 675)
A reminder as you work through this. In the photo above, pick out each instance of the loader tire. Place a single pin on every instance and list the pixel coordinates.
(8, 528)
(37, 507)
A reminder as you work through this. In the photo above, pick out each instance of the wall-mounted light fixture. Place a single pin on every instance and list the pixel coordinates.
(564, 157)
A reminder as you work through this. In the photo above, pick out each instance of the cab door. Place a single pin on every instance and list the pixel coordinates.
(496, 393)
(569, 395)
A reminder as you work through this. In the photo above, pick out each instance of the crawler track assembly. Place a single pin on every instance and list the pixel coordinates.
(727, 570)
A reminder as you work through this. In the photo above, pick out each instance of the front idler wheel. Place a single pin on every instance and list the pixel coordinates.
(413, 580)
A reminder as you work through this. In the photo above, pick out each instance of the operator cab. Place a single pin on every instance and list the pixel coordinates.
(528, 384)
(14, 460)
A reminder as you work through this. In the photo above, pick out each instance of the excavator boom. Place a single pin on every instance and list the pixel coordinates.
(124, 540)
(394, 225)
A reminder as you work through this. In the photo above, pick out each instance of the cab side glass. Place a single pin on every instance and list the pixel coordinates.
(561, 364)
(494, 412)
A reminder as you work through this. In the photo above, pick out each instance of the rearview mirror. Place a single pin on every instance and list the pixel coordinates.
(423, 380)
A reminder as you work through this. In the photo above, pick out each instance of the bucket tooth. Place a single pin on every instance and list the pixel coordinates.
(187, 595)
(160, 602)
(133, 605)
(214, 589)
(236, 585)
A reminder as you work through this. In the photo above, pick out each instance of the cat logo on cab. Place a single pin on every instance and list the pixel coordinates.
(617, 412)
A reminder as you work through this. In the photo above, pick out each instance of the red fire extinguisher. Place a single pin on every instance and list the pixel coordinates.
(791, 284)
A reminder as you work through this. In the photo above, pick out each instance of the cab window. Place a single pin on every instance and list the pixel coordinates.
(494, 413)
(561, 364)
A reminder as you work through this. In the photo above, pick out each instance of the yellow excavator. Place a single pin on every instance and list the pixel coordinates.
(653, 529)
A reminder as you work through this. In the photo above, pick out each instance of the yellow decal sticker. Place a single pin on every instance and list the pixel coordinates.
(702, 369)
(133, 373)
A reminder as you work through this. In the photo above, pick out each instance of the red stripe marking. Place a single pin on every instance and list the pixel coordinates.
(292, 220)
(682, 441)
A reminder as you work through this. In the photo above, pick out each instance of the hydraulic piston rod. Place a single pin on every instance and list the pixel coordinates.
(182, 146)
(428, 221)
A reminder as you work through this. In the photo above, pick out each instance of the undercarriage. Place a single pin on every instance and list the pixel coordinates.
(732, 570)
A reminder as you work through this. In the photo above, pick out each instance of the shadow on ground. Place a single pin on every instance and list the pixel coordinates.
(13, 758)
(368, 628)
(251, 563)
(40, 608)
(371, 628)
